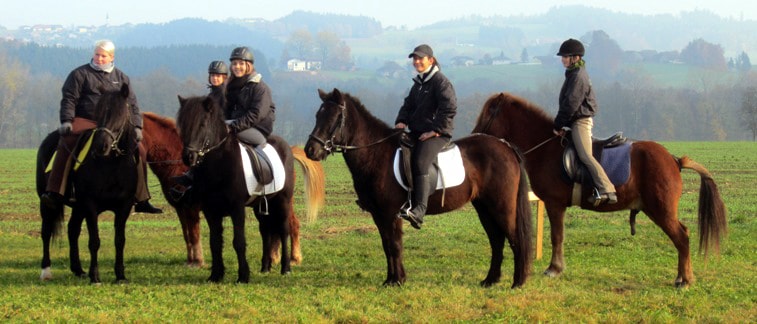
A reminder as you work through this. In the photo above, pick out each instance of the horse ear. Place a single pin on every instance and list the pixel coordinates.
(337, 95)
(322, 94)
(181, 100)
(208, 103)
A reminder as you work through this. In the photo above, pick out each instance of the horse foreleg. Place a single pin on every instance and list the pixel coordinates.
(294, 235)
(390, 228)
(240, 245)
(190, 227)
(94, 247)
(49, 227)
(557, 230)
(74, 230)
(270, 243)
(120, 241)
(215, 227)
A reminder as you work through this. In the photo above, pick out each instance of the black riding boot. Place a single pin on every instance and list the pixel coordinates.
(421, 191)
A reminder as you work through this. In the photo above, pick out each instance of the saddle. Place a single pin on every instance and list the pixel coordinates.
(406, 147)
(261, 165)
(613, 153)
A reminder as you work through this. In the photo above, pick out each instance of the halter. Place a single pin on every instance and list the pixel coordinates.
(115, 139)
(330, 146)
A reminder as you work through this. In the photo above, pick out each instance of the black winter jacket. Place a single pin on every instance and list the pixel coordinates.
(431, 105)
(249, 104)
(82, 90)
(576, 98)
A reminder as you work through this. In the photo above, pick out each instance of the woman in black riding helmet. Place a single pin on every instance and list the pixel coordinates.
(250, 111)
(577, 109)
(218, 72)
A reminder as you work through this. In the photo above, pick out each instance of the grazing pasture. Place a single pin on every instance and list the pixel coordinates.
(611, 277)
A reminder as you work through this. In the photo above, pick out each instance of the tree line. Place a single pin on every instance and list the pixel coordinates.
(707, 108)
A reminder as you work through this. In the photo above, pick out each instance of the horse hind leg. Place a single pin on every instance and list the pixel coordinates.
(51, 222)
(496, 242)
(679, 234)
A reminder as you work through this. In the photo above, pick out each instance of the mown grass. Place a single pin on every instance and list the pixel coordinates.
(611, 275)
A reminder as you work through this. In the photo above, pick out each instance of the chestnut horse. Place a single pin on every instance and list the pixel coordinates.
(495, 183)
(164, 148)
(654, 185)
(219, 184)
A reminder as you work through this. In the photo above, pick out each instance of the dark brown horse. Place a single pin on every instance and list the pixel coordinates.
(494, 182)
(164, 148)
(654, 185)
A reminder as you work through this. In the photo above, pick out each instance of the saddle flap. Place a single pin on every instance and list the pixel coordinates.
(261, 165)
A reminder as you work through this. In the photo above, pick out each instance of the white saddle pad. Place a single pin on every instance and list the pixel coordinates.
(451, 171)
(279, 175)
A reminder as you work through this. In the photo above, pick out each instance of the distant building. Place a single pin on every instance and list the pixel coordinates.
(300, 65)
(463, 61)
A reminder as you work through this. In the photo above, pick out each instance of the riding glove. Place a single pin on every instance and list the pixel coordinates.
(65, 128)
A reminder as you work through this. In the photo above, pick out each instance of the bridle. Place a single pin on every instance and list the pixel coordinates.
(113, 136)
(330, 145)
(205, 149)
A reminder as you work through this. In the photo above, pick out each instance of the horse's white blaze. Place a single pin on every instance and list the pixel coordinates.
(47, 274)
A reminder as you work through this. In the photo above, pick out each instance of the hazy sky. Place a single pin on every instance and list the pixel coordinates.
(389, 12)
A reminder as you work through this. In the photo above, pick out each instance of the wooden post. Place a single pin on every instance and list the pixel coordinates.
(539, 223)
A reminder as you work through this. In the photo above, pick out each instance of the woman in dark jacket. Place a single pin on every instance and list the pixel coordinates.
(81, 92)
(427, 112)
(577, 109)
(250, 111)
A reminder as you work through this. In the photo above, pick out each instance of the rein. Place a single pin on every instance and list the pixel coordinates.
(540, 144)
(331, 147)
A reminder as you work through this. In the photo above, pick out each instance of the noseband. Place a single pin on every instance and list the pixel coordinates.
(205, 149)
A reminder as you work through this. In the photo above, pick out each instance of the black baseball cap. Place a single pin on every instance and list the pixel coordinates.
(422, 50)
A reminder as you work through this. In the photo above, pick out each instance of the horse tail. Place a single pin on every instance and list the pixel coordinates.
(712, 211)
(524, 227)
(315, 183)
(52, 219)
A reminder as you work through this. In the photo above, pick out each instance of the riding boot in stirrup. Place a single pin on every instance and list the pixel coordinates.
(421, 192)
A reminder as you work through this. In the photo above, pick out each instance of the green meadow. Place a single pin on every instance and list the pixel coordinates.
(611, 276)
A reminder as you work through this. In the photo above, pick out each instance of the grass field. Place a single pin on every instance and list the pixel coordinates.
(611, 276)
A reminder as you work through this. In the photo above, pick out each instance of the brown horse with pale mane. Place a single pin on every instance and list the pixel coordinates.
(654, 185)
(164, 149)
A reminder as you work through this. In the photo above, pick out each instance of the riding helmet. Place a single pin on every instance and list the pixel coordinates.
(571, 47)
(242, 53)
(218, 67)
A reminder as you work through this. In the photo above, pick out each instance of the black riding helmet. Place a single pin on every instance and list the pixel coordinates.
(242, 53)
(218, 67)
(571, 47)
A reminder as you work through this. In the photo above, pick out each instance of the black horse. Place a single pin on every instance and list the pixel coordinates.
(220, 186)
(105, 179)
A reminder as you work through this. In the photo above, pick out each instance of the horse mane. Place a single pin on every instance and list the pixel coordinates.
(360, 107)
(162, 121)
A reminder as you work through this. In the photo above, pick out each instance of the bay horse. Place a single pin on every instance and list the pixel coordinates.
(220, 186)
(104, 181)
(164, 148)
(495, 183)
(654, 185)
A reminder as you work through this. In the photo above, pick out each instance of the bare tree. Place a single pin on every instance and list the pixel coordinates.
(13, 76)
(749, 110)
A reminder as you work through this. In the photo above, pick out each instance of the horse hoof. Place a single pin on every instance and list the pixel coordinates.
(487, 283)
(46, 275)
(122, 281)
(551, 273)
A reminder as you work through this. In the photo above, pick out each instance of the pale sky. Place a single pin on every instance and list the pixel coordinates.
(412, 14)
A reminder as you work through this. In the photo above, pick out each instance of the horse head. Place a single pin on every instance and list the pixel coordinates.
(201, 127)
(328, 135)
(114, 128)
